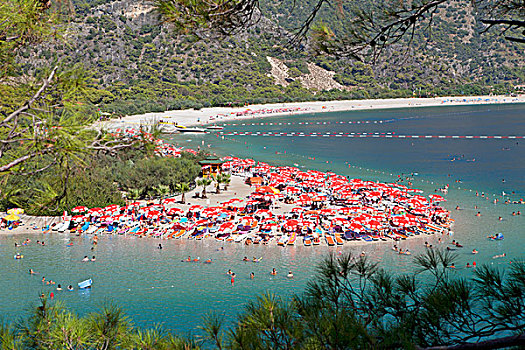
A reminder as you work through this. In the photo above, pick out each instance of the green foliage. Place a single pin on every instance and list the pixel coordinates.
(182, 188)
(204, 182)
(352, 303)
(148, 175)
(51, 326)
(156, 70)
(22, 23)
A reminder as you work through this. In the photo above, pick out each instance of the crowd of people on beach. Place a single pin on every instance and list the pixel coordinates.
(325, 208)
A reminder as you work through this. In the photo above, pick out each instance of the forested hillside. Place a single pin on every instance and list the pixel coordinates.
(138, 64)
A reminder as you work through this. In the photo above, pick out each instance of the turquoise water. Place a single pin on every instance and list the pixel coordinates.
(154, 286)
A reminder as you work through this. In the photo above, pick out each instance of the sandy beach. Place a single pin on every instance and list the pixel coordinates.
(222, 114)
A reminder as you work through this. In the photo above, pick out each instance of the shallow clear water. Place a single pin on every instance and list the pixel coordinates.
(154, 286)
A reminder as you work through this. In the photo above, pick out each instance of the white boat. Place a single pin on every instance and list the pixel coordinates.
(190, 130)
(91, 229)
(215, 127)
(283, 240)
(241, 237)
(85, 284)
(63, 226)
(168, 129)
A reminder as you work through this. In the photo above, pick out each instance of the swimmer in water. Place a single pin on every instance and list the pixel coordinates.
(474, 251)
(274, 272)
(452, 266)
(290, 274)
(252, 275)
(85, 259)
(160, 246)
(70, 287)
(93, 258)
(229, 272)
(245, 259)
(59, 287)
(207, 261)
(499, 256)
(31, 272)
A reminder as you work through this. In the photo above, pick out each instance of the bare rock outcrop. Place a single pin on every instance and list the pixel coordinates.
(318, 79)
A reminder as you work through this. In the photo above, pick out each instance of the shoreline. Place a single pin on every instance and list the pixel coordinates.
(205, 116)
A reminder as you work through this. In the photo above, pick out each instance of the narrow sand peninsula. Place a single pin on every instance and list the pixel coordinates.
(221, 114)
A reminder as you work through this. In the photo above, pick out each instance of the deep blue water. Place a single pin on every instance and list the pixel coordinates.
(154, 286)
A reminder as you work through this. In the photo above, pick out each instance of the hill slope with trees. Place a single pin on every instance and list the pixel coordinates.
(138, 64)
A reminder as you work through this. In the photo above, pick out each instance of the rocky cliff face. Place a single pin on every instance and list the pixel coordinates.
(317, 79)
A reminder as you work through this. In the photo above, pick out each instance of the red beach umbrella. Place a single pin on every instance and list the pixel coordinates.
(153, 214)
(437, 198)
(195, 208)
(111, 207)
(79, 209)
(175, 211)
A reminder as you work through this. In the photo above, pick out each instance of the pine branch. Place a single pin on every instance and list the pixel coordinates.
(33, 99)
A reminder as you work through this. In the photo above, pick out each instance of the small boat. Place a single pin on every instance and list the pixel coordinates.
(307, 241)
(190, 130)
(435, 227)
(85, 284)
(283, 240)
(179, 234)
(292, 239)
(329, 240)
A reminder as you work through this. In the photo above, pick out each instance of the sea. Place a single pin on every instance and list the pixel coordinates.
(155, 287)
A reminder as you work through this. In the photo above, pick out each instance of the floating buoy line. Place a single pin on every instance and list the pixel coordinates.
(364, 135)
(418, 178)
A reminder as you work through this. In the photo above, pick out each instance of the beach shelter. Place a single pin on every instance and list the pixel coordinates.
(11, 217)
(15, 211)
